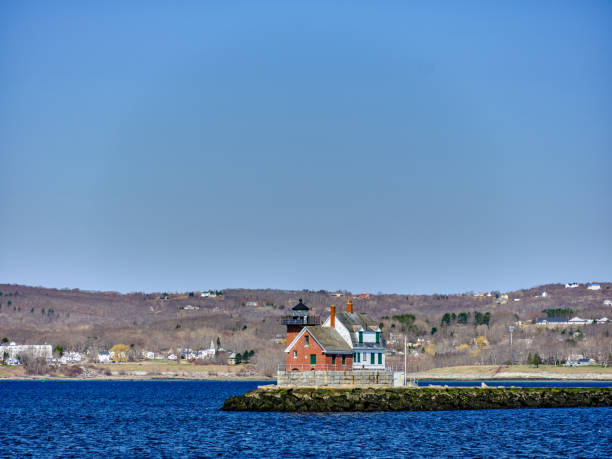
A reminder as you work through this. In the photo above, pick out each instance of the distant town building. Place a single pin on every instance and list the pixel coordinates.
(190, 307)
(251, 303)
(572, 285)
(552, 321)
(572, 321)
(594, 287)
(70, 357)
(579, 321)
(207, 353)
(14, 350)
(579, 362)
(104, 357)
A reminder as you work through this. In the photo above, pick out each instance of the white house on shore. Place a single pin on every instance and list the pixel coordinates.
(573, 321)
(209, 353)
(14, 350)
(104, 357)
(70, 357)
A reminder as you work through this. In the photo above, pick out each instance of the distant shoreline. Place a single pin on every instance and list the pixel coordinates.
(188, 372)
(139, 378)
(270, 380)
(515, 373)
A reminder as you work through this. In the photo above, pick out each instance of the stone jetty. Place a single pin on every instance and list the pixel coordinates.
(273, 398)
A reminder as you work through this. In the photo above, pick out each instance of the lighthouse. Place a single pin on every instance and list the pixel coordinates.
(299, 318)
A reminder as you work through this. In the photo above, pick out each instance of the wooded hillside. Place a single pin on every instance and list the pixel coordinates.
(454, 329)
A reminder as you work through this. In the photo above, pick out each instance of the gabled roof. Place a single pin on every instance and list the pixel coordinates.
(355, 321)
(328, 338)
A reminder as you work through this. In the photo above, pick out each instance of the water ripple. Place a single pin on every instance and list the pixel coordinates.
(181, 419)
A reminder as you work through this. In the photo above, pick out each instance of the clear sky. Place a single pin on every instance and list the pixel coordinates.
(410, 147)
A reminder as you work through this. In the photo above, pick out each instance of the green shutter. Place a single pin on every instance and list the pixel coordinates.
(344, 360)
(361, 337)
(333, 359)
(313, 359)
(380, 358)
(372, 358)
(377, 337)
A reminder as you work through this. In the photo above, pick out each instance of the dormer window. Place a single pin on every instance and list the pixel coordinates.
(361, 336)
(378, 336)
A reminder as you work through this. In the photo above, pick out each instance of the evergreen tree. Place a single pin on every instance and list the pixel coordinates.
(446, 319)
(536, 359)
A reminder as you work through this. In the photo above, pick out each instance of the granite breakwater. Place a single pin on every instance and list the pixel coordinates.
(415, 399)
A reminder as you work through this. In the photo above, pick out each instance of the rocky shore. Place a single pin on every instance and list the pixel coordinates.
(415, 399)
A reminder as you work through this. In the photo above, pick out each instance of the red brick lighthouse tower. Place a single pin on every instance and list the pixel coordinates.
(299, 318)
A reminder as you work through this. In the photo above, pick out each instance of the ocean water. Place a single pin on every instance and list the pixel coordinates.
(182, 419)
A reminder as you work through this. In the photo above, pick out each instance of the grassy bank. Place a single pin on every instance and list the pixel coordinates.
(139, 370)
(594, 372)
(186, 370)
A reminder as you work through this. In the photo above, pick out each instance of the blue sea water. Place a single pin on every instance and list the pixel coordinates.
(182, 419)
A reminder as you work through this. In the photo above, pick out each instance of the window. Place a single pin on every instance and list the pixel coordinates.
(360, 337)
(380, 358)
(377, 337)
(313, 359)
(295, 354)
(306, 340)
(372, 358)
(333, 359)
(344, 360)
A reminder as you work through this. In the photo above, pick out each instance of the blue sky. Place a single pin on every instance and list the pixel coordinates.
(410, 147)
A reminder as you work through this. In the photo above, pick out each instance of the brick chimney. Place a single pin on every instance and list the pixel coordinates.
(332, 318)
(349, 306)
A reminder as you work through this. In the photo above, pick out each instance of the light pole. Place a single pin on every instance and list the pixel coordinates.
(404, 360)
(511, 329)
